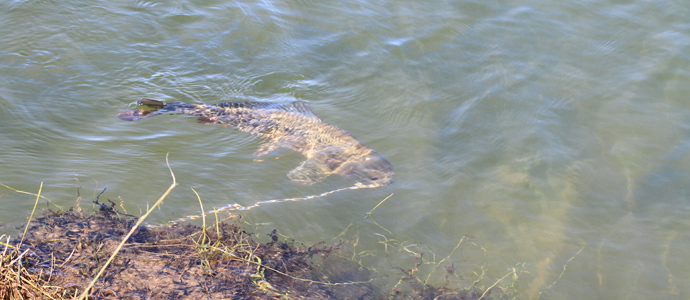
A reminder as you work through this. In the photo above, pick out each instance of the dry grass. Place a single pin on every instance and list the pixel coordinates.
(181, 261)
(16, 279)
(62, 255)
(24, 274)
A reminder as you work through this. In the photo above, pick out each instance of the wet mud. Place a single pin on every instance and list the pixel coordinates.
(62, 252)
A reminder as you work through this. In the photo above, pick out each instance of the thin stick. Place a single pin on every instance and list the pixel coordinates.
(375, 207)
(38, 196)
(444, 259)
(85, 294)
(562, 272)
(495, 283)
(367, 215)
(203, 217)
(28, 193)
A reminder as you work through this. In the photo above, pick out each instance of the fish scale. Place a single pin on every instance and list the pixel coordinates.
(328, 149)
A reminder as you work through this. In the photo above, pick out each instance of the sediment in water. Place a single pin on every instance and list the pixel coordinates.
(63, 250)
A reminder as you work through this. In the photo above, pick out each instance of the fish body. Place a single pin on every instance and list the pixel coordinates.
(328, 149)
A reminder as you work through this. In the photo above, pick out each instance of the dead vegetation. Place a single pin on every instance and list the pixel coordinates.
(63, 251)
(69, 254)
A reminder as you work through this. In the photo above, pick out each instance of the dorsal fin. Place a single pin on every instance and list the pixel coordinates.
(248, 104)
(300, 107)
(152, 103)
(296, 107)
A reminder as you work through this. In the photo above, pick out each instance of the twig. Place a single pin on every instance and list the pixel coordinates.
(375, 207)
(85, 294)
(367, 215)
(23, 192)
(495, 283)
(203, 217)
(38, 196)
(444, 259)
(562, 272)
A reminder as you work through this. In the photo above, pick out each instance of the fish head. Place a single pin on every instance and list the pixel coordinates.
(369, 171)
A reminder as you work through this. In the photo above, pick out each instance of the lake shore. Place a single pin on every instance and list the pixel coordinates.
(63, 250)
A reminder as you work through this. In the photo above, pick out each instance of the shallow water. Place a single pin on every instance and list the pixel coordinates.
(557, 135)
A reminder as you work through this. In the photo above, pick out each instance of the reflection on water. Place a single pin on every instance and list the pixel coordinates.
(554, 134)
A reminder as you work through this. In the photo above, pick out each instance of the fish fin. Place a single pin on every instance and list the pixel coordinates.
(266, 148)
(297, 107)
(308, 172)
(300, 107)
(247, 105)
(205, 120)
(152, 103)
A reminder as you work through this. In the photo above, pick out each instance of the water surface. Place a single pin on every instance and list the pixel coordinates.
(556, 134)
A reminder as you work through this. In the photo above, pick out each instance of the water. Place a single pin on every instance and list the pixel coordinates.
(556, 134)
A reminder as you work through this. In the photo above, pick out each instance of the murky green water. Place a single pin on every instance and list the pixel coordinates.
(557, 135)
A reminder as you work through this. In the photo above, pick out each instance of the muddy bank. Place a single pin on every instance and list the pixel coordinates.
(62, 252)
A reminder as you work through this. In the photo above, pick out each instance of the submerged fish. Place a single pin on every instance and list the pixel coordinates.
(329, 149)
